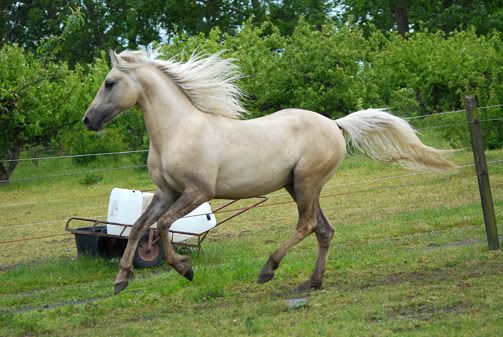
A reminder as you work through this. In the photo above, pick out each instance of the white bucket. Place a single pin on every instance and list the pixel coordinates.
(125, 207)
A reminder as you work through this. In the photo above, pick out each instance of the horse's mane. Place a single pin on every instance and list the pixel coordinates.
(209, 82)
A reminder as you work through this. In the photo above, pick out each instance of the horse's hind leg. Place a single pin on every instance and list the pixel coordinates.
(324, 234)
(306, 204)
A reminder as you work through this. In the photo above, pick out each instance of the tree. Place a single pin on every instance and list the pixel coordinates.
(415, 15)
(285, 14)
(37, 99)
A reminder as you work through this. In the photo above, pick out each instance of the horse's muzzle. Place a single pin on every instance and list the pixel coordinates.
(90, 125)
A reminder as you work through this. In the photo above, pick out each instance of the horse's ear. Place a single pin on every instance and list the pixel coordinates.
(114, 58)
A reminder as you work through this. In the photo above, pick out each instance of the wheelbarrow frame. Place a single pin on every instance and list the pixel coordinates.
(152, 237)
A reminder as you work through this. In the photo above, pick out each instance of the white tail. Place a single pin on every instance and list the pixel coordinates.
(384, 137)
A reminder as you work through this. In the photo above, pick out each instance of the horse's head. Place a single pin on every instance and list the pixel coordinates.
(119, 92)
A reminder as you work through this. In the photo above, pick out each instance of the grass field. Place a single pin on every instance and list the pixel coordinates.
(409, 259)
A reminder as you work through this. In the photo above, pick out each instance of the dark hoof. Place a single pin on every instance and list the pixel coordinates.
(308, 286)
(264, 277)
(120, 287)
(189, 274)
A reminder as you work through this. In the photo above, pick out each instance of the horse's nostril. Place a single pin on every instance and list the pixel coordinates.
(86, 121)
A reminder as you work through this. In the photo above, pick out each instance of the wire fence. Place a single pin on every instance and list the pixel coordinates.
(361, 182)
(272, 196)
(66, 174)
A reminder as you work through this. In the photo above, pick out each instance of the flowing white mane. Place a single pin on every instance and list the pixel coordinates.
(208, 81)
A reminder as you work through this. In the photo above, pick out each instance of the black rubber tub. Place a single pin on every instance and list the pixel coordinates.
(95, 245)
(89, 244)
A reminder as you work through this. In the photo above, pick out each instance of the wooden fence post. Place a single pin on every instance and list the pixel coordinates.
(482, 173)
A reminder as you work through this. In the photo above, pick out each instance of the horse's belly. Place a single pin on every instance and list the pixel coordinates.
(252, 182)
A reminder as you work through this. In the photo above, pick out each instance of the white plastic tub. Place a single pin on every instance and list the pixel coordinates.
(125, 207)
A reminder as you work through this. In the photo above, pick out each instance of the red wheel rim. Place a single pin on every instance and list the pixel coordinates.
(146, 254)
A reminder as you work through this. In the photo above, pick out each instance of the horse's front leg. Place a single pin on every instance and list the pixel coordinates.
(161, 201)
(189, 200)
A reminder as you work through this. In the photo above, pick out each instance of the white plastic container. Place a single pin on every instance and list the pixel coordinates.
(125, 207)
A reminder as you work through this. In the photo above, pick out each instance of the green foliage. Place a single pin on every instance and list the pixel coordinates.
(53, 45)
(87, 142)
(90, 179)
(286, 14)
(37, 101)
(319, 70)
(311, 69)
(418, 15)
(428, 73)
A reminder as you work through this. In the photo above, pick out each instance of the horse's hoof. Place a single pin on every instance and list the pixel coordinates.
(308, 286)
(120, 287)
(189, 274)
(264, 277)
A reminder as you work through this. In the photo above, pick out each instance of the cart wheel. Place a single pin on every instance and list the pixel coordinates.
(145, 258)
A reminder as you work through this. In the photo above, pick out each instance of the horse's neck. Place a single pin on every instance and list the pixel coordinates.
(164, 107)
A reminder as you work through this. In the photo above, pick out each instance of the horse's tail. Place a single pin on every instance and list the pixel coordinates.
(384, 137)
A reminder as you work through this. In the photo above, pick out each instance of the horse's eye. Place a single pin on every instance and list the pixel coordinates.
(109, 84)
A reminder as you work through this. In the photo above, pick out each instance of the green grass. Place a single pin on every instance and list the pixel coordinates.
(409, 259)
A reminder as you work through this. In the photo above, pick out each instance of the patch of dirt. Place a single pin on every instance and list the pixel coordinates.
(6, 267)
(424, 311)
(460, 272)
(419, 311)
(462, 243)
(59, 304)
(227, 235)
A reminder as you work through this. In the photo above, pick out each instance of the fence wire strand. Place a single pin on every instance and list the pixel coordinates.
(73, 173)
(452, 112)
(458, 123)
(434, 114)
(490, 106)
(77, 155)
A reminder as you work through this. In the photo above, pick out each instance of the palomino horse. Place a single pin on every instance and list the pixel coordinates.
(200, 149)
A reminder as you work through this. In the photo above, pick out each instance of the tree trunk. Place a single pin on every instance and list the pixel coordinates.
(402, 19)
(9, 166)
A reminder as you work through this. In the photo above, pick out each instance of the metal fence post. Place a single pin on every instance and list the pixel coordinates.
(482, 173)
